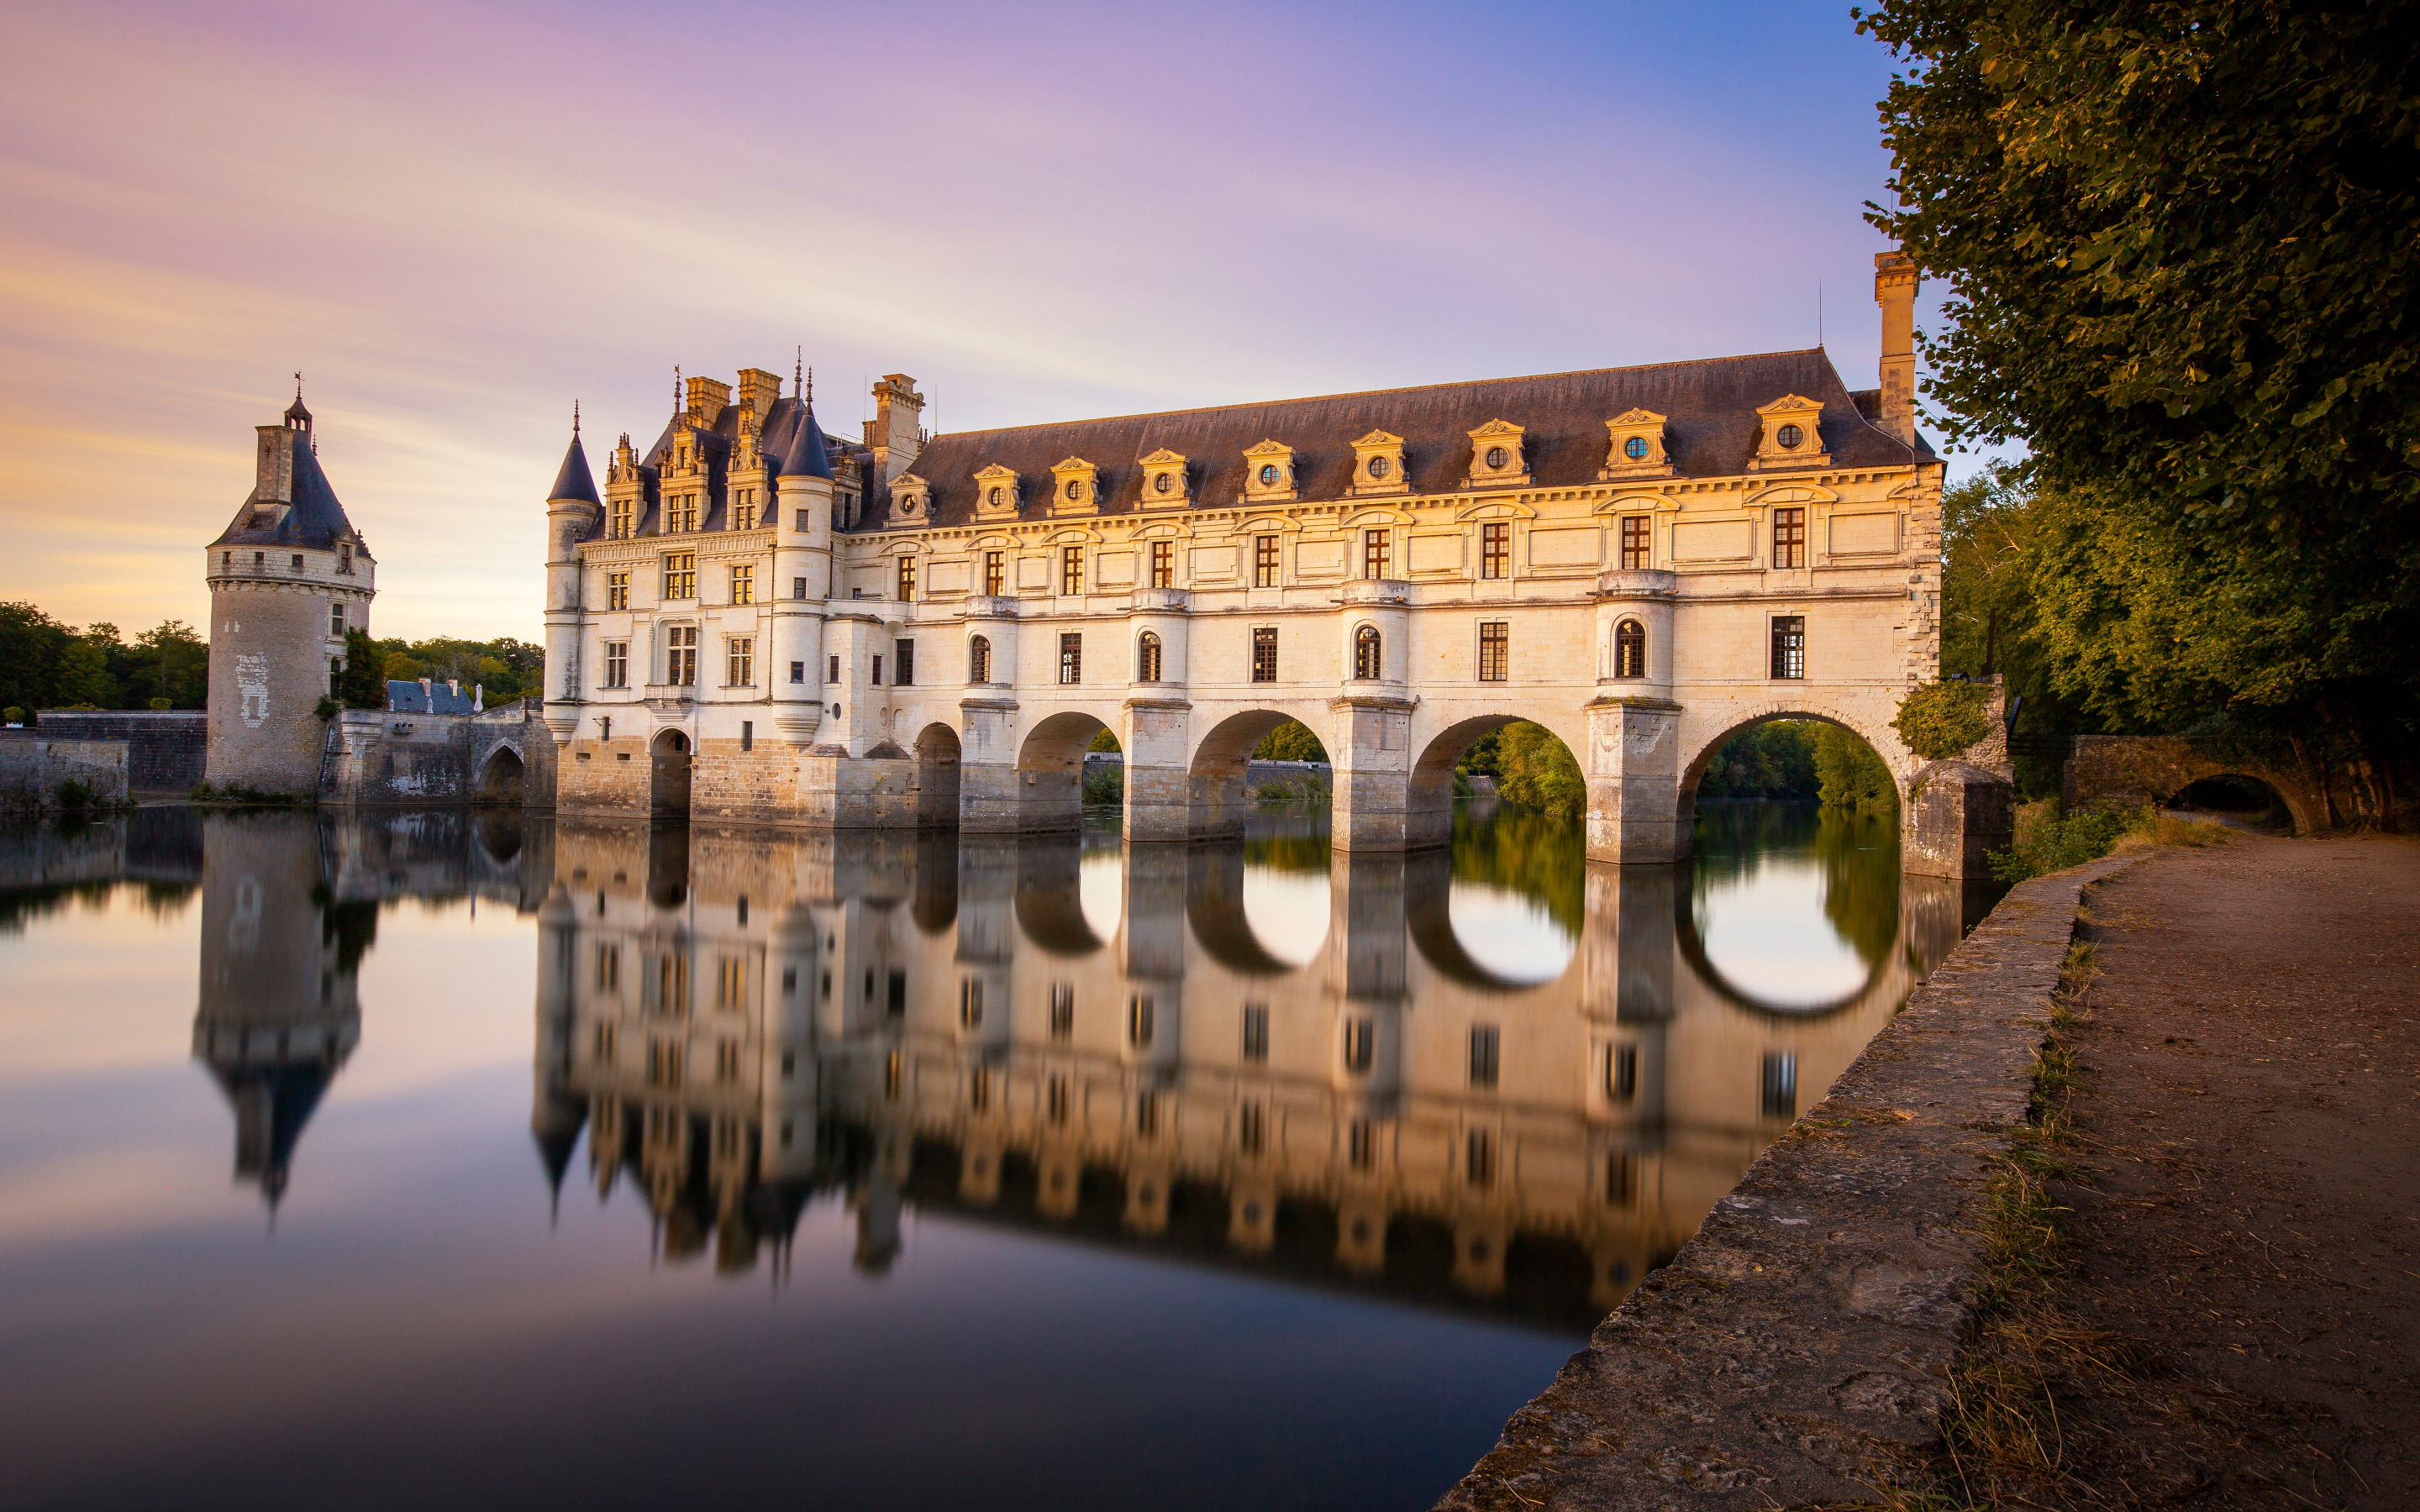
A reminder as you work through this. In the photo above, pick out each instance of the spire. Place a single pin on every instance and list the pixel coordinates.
(574, 481)
(798, 388)
(298, 412)
(677, 406)
(807, 455)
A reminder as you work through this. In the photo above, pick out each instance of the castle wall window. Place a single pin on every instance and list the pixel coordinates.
(298, 561)
(617, 590)
(1361, 1144)
(1063, 1010)
(995, 574)
(743, 585)
(1057, 1100)
(832, 674)
(1494, 650)
(1621, 1072)
(1778, 1091)
(747, 742)
(1071, 657)
(617, 664)
(609, 979)
(1790, 646)
(906, 580)
(1256, 1033)
(979, 660)
(617, 527)
(802, 524)
(680, 656)
(970, 1002)
(903, 664)
(798, 672)
(1479, 1158)
(1377, 552)
(797, 588)
(345, 558)
(681, 515)
(1265, 655)
(743, 515)
(1638, 541)
(1264, 562)
(1071, 569)
(1163, 562)
(1147, 657)
(1250, 1125)
(1496, 548)
(335, 674)
(1485, 1042)
(739, 661)
(1368, 662)
(336, 618)
(876, 679)
(1360, 1045)
(680, 574)
(1142, 1014)
(1790, 538)
(1630, 648)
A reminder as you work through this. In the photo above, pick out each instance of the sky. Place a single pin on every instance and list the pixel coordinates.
(457, 219)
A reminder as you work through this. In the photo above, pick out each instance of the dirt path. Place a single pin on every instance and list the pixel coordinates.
(2244, 1328)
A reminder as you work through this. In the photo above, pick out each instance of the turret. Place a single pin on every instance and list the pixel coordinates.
(572, 513)
(802, 573)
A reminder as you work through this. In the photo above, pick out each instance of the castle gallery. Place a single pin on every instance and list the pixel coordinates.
(754, 621)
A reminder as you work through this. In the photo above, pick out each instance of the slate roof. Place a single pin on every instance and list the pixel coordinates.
(1712, 431)
(574, 481)
(409, 698)
(317, 520)
(790, 439)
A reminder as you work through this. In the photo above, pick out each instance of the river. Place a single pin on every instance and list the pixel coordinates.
(460, 1159)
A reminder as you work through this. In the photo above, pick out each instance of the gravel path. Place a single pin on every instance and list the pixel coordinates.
(2249, 1234)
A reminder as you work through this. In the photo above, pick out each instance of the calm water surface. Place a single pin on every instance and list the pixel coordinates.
(433, 1159)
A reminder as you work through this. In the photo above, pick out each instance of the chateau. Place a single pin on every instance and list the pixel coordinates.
(755, 622)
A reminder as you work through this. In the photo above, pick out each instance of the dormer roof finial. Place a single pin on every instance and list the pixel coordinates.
(798, 387)
(575, 420)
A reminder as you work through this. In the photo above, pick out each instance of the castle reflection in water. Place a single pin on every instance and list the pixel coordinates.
(740, 1023)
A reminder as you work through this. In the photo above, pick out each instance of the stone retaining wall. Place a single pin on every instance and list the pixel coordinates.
(1803, 1338)
(32, 768)
(165, 748)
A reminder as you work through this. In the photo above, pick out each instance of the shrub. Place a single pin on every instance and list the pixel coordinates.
(162, 703)
(1940, 719)
(1104, 782)
(1290, 742)
(327, 707)
(74, 797)
(2045, 842)
(15, 714)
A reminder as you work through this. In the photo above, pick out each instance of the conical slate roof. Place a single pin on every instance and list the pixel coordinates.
(317, 520)
(574, 481)
(807, 455)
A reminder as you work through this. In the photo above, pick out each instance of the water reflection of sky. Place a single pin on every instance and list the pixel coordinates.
(1765, 931)
(1509, 932)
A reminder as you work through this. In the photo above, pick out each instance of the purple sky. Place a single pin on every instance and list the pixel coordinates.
(455, 219)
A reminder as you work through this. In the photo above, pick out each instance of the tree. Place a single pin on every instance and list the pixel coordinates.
(83, 680)
(30, 643)
(1290, 742)
(1848, 773)
(2180, 240)
(362, 684)
(1539, 771)
(170, 661)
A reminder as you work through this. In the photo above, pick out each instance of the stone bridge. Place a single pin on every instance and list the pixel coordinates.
(2129, 771)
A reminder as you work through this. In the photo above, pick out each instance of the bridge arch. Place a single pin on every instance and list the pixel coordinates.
(1880, 741)
(1429, 802)
(1050, 769)
(668, 774)
(937, 750)
(1216, 765)
(503, 777)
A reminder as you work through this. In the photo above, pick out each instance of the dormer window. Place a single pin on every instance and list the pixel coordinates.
(1078, 489)
(1495, 456)
(911, 497)
(1635, 446)
(1378, 464)
(1790, 436)
(1268, 471)
(996, 493)
(1163, 480)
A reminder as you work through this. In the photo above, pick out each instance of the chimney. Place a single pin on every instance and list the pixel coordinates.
(1896, 283)
(274, 483)
(708, 398)
(758, 389)
(898, 436)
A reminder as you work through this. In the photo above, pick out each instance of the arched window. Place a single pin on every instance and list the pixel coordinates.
(979, 660)
(1368, 664)
(1147, 658)
(1630, 648)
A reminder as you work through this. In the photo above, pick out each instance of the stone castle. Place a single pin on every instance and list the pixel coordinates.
(755, 622)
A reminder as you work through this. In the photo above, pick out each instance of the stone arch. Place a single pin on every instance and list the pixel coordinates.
(669, 758)
(1883, 745)
(503, 777)
(1428, 816)
(936, 777)
(1217, 766)
(1050, 770)
(1214, 909)
(2129, 771)
(1428, 916)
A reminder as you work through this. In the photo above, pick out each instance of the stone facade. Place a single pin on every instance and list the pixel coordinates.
(754, 621)
(378, 757)
(166, 749)
(288, 577)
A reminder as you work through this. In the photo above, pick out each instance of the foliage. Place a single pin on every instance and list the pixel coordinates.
(1290, 742)
(1481, 759)
(1772, 759)
(74, 797)
(1105, 783)
(2182, 242)
(1537, 770)
(14, 715)
(1858, 852)
(1848, 774)
(2046, 843)
(1105, 739)
(362, 684)
(403, 667)
(504, 668)
(327, 706)
(47, 665)
(1940, 719)
(1306, 790)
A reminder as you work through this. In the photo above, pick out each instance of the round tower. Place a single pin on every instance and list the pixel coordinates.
(288, 577)
(572, 512)
(802, 574)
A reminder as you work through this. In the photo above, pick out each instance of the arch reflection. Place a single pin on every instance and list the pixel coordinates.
(1388, 1115)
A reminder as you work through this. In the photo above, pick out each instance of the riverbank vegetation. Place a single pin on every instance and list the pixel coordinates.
(45, 664)
(1799, 761)
(2182, 249)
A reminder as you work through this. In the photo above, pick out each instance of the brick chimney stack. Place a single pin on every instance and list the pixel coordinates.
(1896, 283)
